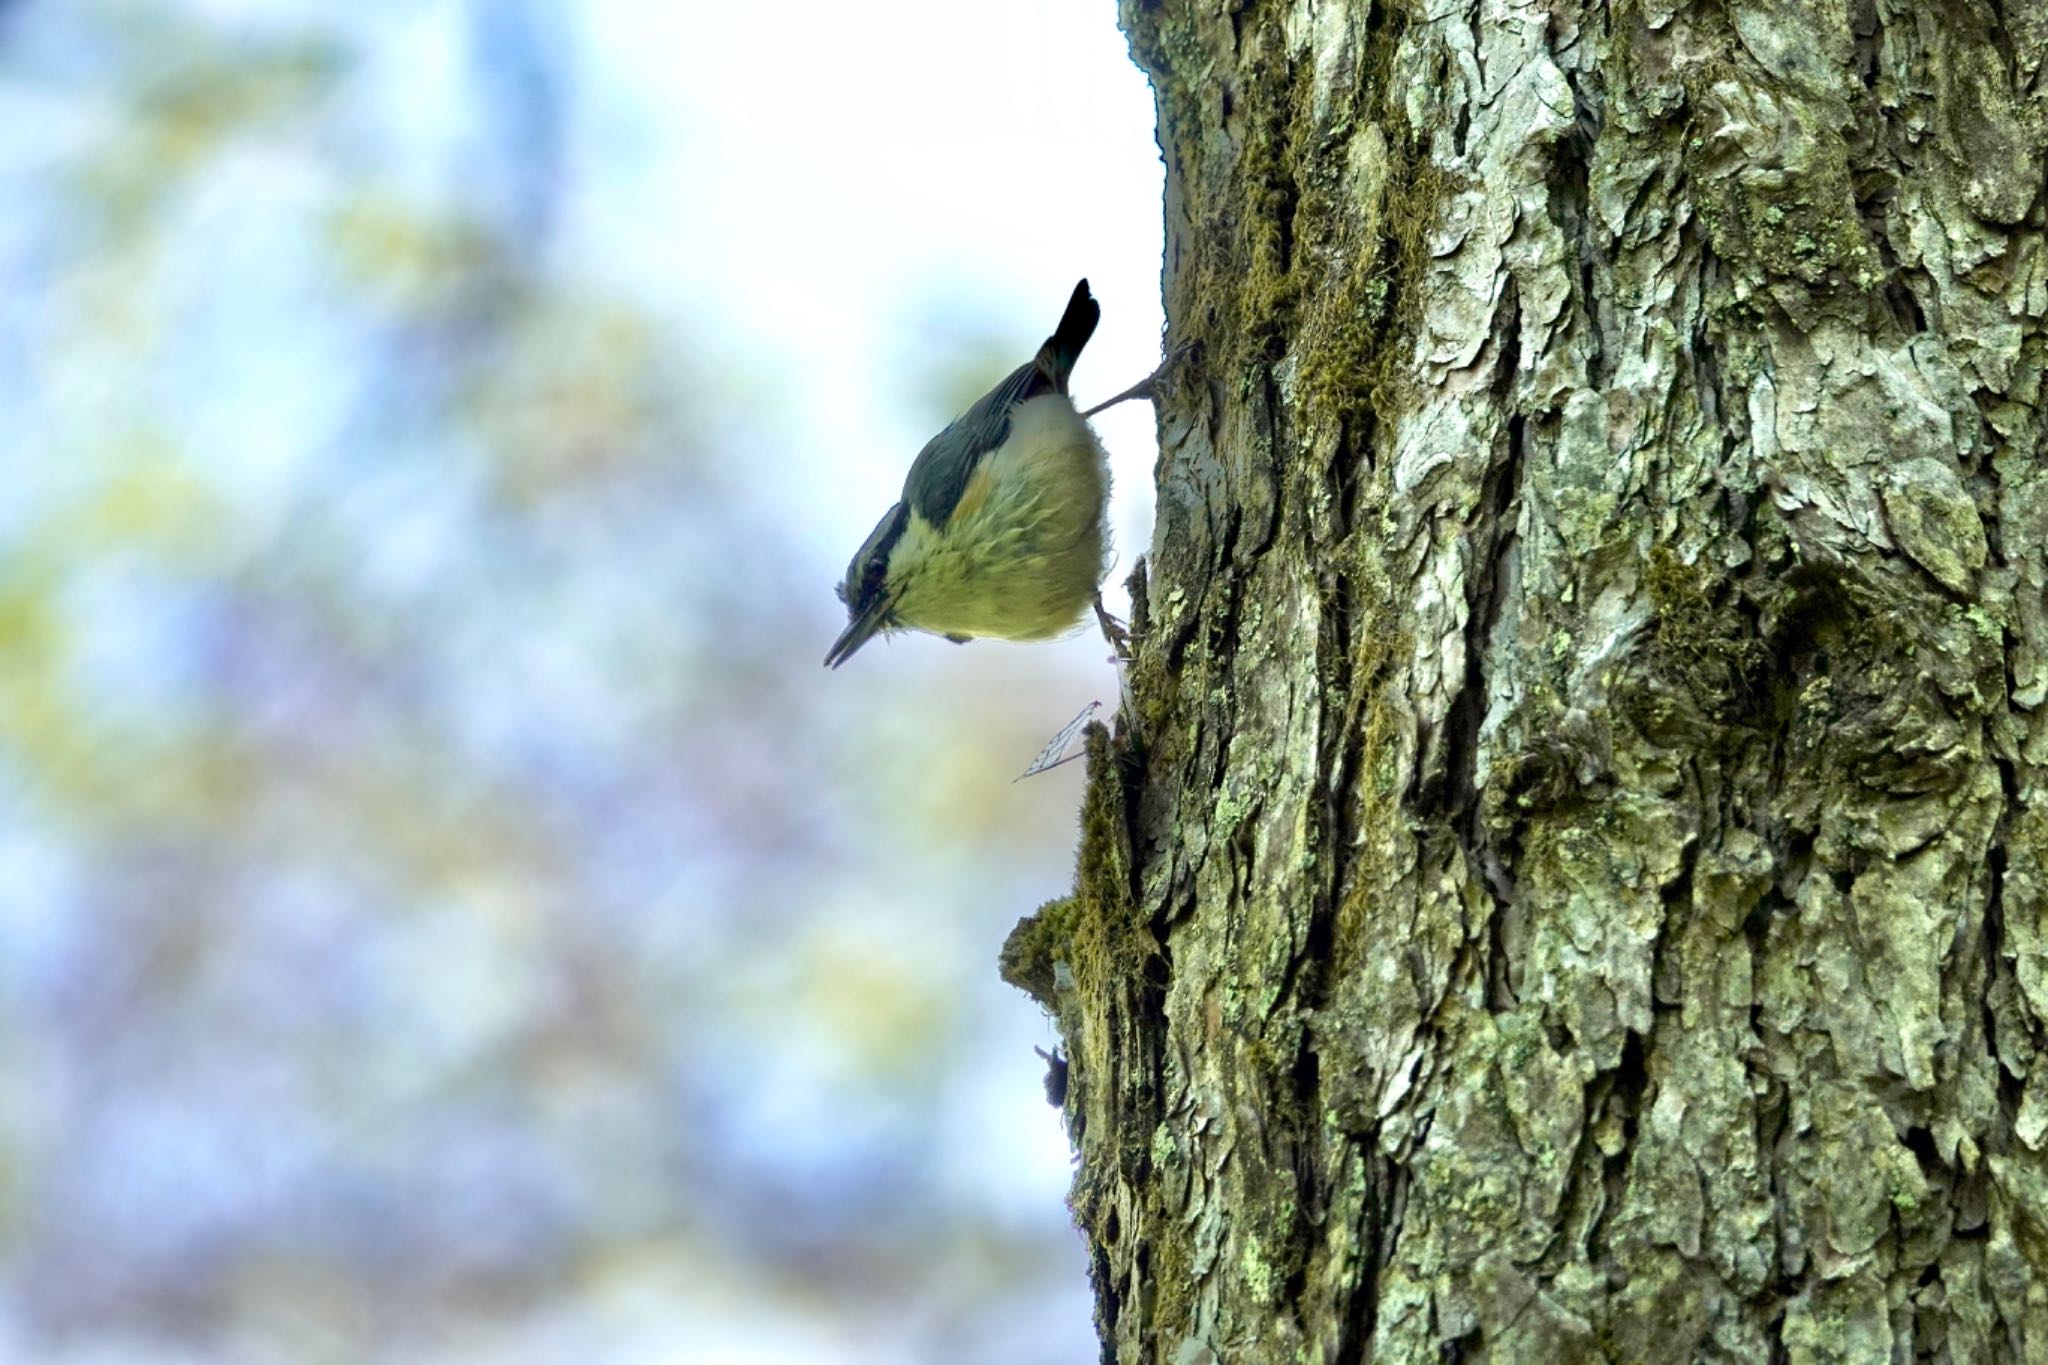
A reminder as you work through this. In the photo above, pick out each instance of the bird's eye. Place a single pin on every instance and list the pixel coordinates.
(873, 581)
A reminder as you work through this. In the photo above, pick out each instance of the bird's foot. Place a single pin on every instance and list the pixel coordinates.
(1113, 631)
(1148, 387)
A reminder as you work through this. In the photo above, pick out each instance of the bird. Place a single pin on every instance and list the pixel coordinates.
(1000, 531)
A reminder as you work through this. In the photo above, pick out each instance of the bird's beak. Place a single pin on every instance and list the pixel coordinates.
(858, 632)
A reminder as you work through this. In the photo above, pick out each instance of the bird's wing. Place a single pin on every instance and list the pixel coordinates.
(940, 473)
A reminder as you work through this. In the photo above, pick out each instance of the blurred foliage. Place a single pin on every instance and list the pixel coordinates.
(447, 916)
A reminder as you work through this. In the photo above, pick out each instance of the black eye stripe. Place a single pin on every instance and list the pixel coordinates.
(868, 576)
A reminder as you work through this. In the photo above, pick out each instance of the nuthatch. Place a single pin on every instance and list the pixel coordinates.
(1000, 528)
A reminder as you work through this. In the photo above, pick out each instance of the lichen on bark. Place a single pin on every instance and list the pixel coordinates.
(1570, 881)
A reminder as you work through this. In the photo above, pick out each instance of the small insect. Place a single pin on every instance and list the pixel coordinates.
(1050, 755)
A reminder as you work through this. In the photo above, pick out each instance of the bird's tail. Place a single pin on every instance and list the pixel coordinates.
(1056, 358)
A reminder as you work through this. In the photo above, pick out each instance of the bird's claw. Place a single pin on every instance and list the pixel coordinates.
(1113, 631)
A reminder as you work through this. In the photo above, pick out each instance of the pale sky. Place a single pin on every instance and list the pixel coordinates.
(846, 176)
(860, 206)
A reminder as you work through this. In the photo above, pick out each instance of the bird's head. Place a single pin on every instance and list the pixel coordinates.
(870, 602)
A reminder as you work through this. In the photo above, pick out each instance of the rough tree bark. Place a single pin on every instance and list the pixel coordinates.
(1569, 882)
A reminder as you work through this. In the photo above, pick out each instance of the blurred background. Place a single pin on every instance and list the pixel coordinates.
(446, 911)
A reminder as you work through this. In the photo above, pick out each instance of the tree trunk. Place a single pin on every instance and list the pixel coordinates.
(1568, 883)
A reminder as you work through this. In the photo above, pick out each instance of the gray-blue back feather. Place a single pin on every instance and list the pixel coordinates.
(939, 475)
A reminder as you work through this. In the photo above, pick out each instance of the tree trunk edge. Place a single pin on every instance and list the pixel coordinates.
(1568, 884)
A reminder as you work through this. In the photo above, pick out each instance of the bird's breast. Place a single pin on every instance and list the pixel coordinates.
(1024, 549)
